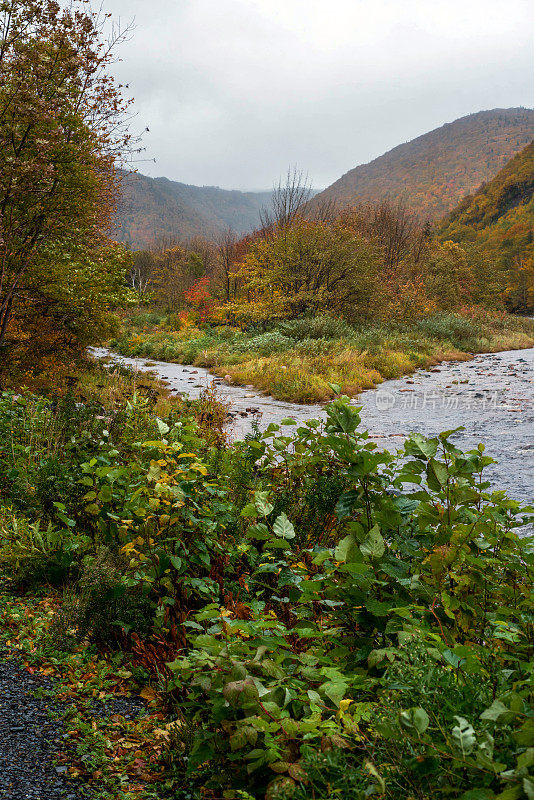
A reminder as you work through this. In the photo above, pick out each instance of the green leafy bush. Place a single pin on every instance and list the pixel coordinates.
(460, 331)
(267, 343)
(317, 327)
(333, 619)
(426, 595)
(103, 604)
(33, 553)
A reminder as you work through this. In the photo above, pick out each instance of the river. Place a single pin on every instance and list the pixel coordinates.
(492, 397)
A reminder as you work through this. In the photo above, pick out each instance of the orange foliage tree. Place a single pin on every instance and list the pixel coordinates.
(200, 298)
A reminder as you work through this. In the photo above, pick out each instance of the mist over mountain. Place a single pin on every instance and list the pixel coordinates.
(430, 175)
(152, 210)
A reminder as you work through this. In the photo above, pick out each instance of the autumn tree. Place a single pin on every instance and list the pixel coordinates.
(519, 280)
(64, 315)
(61, 133)
(203, 249)
(142, 273)
(309, 267)
(175, 272)
(398, 231)
(227, 255)
(199, 297)
(288, 201)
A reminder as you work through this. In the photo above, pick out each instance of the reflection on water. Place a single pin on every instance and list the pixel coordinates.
(491, 396)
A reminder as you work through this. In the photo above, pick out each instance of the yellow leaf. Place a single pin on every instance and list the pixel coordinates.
(148, 694)
(199, 468)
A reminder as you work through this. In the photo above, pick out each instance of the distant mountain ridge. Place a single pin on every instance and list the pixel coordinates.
(156, 209)
(433, 172)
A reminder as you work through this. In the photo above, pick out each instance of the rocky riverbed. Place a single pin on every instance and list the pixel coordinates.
(492, 397)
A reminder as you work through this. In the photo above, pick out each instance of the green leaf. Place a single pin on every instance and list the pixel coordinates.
(373, 545)
(315, 697)
(259, 531)
(463, 736)
(283, 527)
(421, 447)
(346, 504)
(345, 548)
(485, 751)
(452, 659)
(525, 735)
(334, 690)
(279, 696)
(496, 710)
(262, 503)
(105, 494)
(287, 421)
(526, 759)
(377, 656)
(163, 428)
(176, 561)
(437, 475)
(154, 472)
(528, 788)
(70, 523)
(238, 740)
(342, 417)
(249, 511)
(235, 691)
(279, 544)
(414, 720)
(512, 793)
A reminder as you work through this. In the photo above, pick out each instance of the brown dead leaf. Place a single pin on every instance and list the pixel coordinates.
(148, 693)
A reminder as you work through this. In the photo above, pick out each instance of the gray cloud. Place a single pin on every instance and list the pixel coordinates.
(234, 91)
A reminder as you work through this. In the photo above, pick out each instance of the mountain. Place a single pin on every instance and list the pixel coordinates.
(500, 218)
(505, 205)
(152, 209)
(432, 173)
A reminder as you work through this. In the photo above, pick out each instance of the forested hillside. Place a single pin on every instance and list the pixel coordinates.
(152, 209)
(500, 217)
(432, 173)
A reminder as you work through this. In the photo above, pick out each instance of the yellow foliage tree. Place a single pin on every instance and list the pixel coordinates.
(308, 267)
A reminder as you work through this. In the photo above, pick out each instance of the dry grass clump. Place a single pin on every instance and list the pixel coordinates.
(296, 378)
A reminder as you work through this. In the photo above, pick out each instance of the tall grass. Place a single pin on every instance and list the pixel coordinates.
(297, 360)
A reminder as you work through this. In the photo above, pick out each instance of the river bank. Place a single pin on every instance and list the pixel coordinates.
(298, 360)
(491, 396)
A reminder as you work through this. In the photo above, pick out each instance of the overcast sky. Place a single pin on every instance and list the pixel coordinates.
(234, 91)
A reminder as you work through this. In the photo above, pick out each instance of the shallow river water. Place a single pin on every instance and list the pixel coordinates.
(492, 396)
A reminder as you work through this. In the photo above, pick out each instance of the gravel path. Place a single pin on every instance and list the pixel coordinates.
(30, 740)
